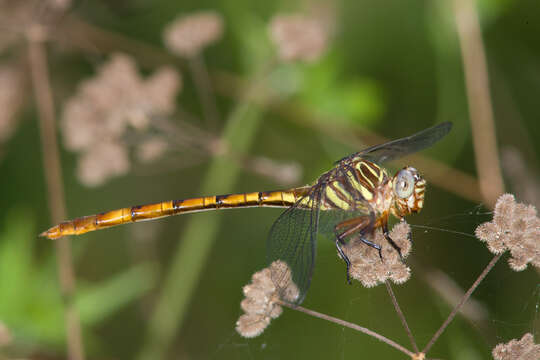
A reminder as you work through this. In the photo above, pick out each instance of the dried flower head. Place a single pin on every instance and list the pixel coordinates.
(262, 296)
(105, 106)
(11, 99)
(523, 349)
(102, 162)
(366, 264)
(298, 37)
(151, 149)
(514, 227)
(188, 35)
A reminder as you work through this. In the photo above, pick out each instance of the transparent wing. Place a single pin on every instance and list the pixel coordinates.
(292, 240)
(293, 236)
(328, 219)
(405, 146)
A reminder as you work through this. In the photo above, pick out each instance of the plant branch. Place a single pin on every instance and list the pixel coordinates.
(55, 189)
(401, 316)
(480, 106)
(350, 326)
(461, 302)
(204, 89)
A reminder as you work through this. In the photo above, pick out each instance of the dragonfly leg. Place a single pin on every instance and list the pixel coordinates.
(345, 258)
(389, 239)
(351, 226)
(371, 244)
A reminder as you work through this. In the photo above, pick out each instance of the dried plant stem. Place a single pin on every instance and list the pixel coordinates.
(480, 106)
(461, 302)
(204, 90)
(55, 190)
(401, 316)
(349, 325)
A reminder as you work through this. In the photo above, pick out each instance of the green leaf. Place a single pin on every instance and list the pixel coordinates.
(98, 301)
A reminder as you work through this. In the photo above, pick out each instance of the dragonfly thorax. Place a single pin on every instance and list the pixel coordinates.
(408, 189)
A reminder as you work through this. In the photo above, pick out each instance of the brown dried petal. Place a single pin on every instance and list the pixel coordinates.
(366, 264)
(400, 273)
(490, 233)
(263, 280)
(282, 278)
(517, 350)
(503, 215)
(255, 292)
(400, 234)
(252, 306)
(276, 311)
(251, 325)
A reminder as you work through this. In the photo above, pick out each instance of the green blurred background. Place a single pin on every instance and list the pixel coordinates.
(391, 68)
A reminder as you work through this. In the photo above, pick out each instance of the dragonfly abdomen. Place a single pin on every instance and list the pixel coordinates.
(173, 207)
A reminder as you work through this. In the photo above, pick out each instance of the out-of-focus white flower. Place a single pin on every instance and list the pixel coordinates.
(189, 34)
(299, 37)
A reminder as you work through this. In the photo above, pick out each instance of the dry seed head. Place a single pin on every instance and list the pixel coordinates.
(151, 149)
(523, 349)
(298, 37)
(515, 227)
(252, 325)
(366, 265)
(101, 162)
(109, 103)
(261, 303)
(188, 35)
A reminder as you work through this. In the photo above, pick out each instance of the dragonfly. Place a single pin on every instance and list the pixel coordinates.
(352, 200)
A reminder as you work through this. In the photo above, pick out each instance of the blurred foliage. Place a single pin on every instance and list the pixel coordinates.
(32, 306)
(393, 67)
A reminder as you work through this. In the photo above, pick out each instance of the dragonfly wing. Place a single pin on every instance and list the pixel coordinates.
(404, 146)
(328, 219)
(292, 240)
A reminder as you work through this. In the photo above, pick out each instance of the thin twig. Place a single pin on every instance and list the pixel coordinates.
(205, 91)
(401, 316)
(480, 107)
(55, 189)
(461, 302)
(350, 326)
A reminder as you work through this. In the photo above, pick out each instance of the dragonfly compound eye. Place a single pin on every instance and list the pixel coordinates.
(404, 185)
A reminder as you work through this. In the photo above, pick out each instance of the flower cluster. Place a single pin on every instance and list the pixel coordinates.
(517, 349)
(366, 264)
(514, 227)
(298, 37)
(261, 303)
(188, 35)
(104, 107)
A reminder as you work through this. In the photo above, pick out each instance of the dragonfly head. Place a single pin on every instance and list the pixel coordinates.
(408, 187)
